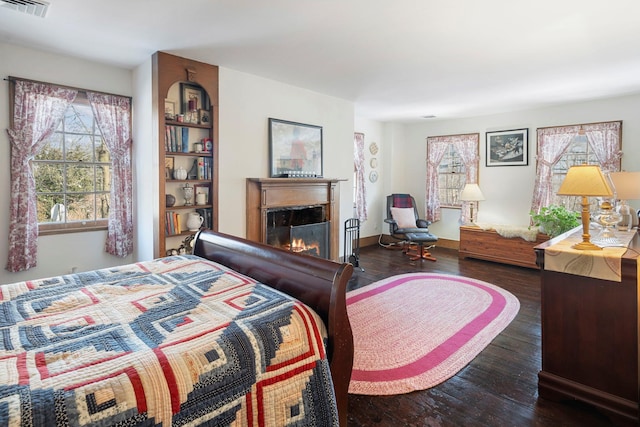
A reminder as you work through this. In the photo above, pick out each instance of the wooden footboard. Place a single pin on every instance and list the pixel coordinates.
(321, 284)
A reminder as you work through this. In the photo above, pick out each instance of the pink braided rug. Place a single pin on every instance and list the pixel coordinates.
(414, 331)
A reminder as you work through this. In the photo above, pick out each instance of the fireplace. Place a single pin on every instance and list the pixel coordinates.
(299, 229)
(279, 210)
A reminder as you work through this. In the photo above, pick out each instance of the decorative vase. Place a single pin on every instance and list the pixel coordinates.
(180, 173)
(608, 218)
(188, 194)
(170, 200)
(194, 221)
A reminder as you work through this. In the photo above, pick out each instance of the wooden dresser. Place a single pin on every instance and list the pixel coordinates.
(590, 337)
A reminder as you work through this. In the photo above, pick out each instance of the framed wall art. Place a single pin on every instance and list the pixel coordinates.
(169, 109)
(508, 148)
(169, 164)
(295, 149)
(204, 117)
(192, 98)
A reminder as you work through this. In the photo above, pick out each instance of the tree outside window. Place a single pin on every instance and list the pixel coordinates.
(73, 173)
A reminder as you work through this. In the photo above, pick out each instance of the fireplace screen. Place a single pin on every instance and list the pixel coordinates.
(299, 229)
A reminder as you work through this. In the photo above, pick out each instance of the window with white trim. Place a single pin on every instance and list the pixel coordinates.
(73, 173)
(452, 162)
(451, 178)
(560, 147)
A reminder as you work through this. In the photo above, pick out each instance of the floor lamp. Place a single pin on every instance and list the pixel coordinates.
(471, 193)
(585, 181)
(627, 187)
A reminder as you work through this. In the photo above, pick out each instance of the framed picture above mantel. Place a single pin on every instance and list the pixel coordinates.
(508, 148)
(295, 149)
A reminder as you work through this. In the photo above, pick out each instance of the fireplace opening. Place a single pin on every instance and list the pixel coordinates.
(299, 229)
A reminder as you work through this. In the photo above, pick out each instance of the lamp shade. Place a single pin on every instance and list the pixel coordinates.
(627, 185)
(471, 193)
(585, 180)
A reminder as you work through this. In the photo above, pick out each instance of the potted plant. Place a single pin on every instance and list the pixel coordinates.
(554, 219)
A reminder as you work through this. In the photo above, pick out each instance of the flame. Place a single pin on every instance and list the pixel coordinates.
(299, 245)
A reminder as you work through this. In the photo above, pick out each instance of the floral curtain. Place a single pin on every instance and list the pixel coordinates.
(603, 138)
(113, 115)
(38, 109)
(361, 193)
(467, 148)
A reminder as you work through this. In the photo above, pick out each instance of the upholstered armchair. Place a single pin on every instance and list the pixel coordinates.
(406, 225)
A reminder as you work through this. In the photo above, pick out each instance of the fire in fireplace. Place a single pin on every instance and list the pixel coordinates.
(299, 229)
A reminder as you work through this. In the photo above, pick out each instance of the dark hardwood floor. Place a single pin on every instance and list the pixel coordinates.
(499, 387)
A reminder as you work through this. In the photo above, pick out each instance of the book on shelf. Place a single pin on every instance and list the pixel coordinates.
(177, 219)
(172, 225)
(185, 139)
(206, 214)
(167, 138)
(201, 171)
(176, 139)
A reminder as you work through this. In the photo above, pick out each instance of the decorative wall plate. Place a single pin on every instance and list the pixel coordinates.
(373, 163)
(373, 148)
(373, 176)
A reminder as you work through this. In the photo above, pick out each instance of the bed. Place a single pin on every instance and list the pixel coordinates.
(239, 333)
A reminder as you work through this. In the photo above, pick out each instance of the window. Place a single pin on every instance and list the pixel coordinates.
(577, 153)
(451, 178)
(561, 147)
(73, 173)
(76, 171)
(452, 162)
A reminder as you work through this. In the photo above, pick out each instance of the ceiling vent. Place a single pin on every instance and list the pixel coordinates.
(31, 7)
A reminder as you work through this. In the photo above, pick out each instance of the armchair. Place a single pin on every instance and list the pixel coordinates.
(406, 225)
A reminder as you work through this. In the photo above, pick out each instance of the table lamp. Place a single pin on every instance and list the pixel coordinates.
(585, 181)
(471, 193)
(627, 187)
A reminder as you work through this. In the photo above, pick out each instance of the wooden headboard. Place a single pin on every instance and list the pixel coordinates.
(321, 284)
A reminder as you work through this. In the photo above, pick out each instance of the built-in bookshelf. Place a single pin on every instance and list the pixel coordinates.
(187, 98)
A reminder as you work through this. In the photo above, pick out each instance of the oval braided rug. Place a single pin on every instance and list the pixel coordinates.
(414, 331)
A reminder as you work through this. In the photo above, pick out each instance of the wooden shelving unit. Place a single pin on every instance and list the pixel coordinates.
(171, 75)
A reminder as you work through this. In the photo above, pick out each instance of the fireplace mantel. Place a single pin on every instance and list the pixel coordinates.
(269, 193)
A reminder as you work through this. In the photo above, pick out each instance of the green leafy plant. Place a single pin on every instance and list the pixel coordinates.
(554, 220)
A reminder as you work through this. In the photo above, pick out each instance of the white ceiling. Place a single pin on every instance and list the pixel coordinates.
(397, 60)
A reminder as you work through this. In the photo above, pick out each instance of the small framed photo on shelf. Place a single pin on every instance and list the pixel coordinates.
(169, 165)
(295, 149)
(169, 109)
(192, 98)
(508, 148)
(204, 116)
(202, 194)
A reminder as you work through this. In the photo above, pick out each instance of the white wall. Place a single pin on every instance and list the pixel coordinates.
(375, 191)
(508, 190)
(246, 104)
(145, 158)
(57, 254)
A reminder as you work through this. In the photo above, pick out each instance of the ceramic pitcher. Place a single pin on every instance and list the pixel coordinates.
(194, 221)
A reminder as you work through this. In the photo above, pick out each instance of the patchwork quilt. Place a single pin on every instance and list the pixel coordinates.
(174, 341)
